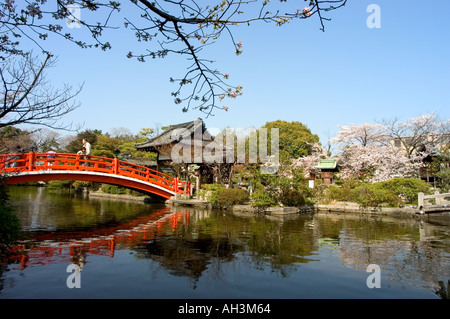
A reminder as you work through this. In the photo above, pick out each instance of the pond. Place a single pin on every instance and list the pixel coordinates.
(82, 246)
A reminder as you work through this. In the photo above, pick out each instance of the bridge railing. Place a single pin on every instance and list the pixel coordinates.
(27, 162)
(437, 197)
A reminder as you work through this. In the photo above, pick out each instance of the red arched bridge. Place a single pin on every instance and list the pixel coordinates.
(34, 167)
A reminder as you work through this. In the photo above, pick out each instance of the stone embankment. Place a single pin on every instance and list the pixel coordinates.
(145, 199)
(339, 207)
(189, 202)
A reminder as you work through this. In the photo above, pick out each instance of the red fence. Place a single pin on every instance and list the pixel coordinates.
(30, 162)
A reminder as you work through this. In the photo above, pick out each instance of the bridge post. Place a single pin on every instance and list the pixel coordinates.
(438, 198)
(31, 160)
(115, 165)
(420, 199)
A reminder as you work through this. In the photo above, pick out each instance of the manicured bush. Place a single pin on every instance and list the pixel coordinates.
(119, 190)
(113, 189)
(59, 184)
(261, 198)
(210, 192)
(334, 193)
(330, 193)
(232, 196)
(293, 197)
(394, 192)
(407, 188)
(78, 184)
(374, 195)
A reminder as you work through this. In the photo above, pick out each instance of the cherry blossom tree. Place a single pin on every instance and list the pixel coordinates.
(310, 162)
(376, 163)
(166, 27)
(419, 134)
(366, 151)
(365, 134)
(366, 154)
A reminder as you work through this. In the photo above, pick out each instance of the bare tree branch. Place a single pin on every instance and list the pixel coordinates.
(426, 131)
(26, 97)
(183, 27)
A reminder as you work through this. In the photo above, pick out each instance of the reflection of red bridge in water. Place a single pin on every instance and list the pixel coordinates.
(35, 167)
(64, 248)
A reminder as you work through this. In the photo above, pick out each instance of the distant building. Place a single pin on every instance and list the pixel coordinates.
(184, 135)
(430, 143)
(327, 169)
(434, 145)
(190, 137)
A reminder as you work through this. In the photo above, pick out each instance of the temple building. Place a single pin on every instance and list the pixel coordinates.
(183, 147)
(327, 169)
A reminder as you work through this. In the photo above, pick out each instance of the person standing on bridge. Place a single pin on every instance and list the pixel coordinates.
(83, 153)
(87, 147)
(51, 154)
(18, 156)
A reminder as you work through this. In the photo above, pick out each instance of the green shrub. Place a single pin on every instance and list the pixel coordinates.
(405, 187)
(374, 195)
(329, 193)
(334, 192)
(113, 189)
(261, 198)
(104, 153)
(210, 192)
(119, 190)
(232, 196)
(292, 197)
(394, 192)
(78, 184)
(59, 184)
(94, 186)
(351, 183)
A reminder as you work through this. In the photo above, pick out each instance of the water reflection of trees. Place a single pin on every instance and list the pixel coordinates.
(190, 243)
(183, 256)
(219, 238)
(42, 209)
(408, 249)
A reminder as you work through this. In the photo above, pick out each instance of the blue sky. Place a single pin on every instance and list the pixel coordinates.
(349, 74)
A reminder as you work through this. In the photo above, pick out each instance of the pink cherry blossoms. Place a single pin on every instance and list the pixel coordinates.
(307, 11)
(379, 152)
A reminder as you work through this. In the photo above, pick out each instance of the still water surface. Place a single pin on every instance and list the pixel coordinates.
(130, 249)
